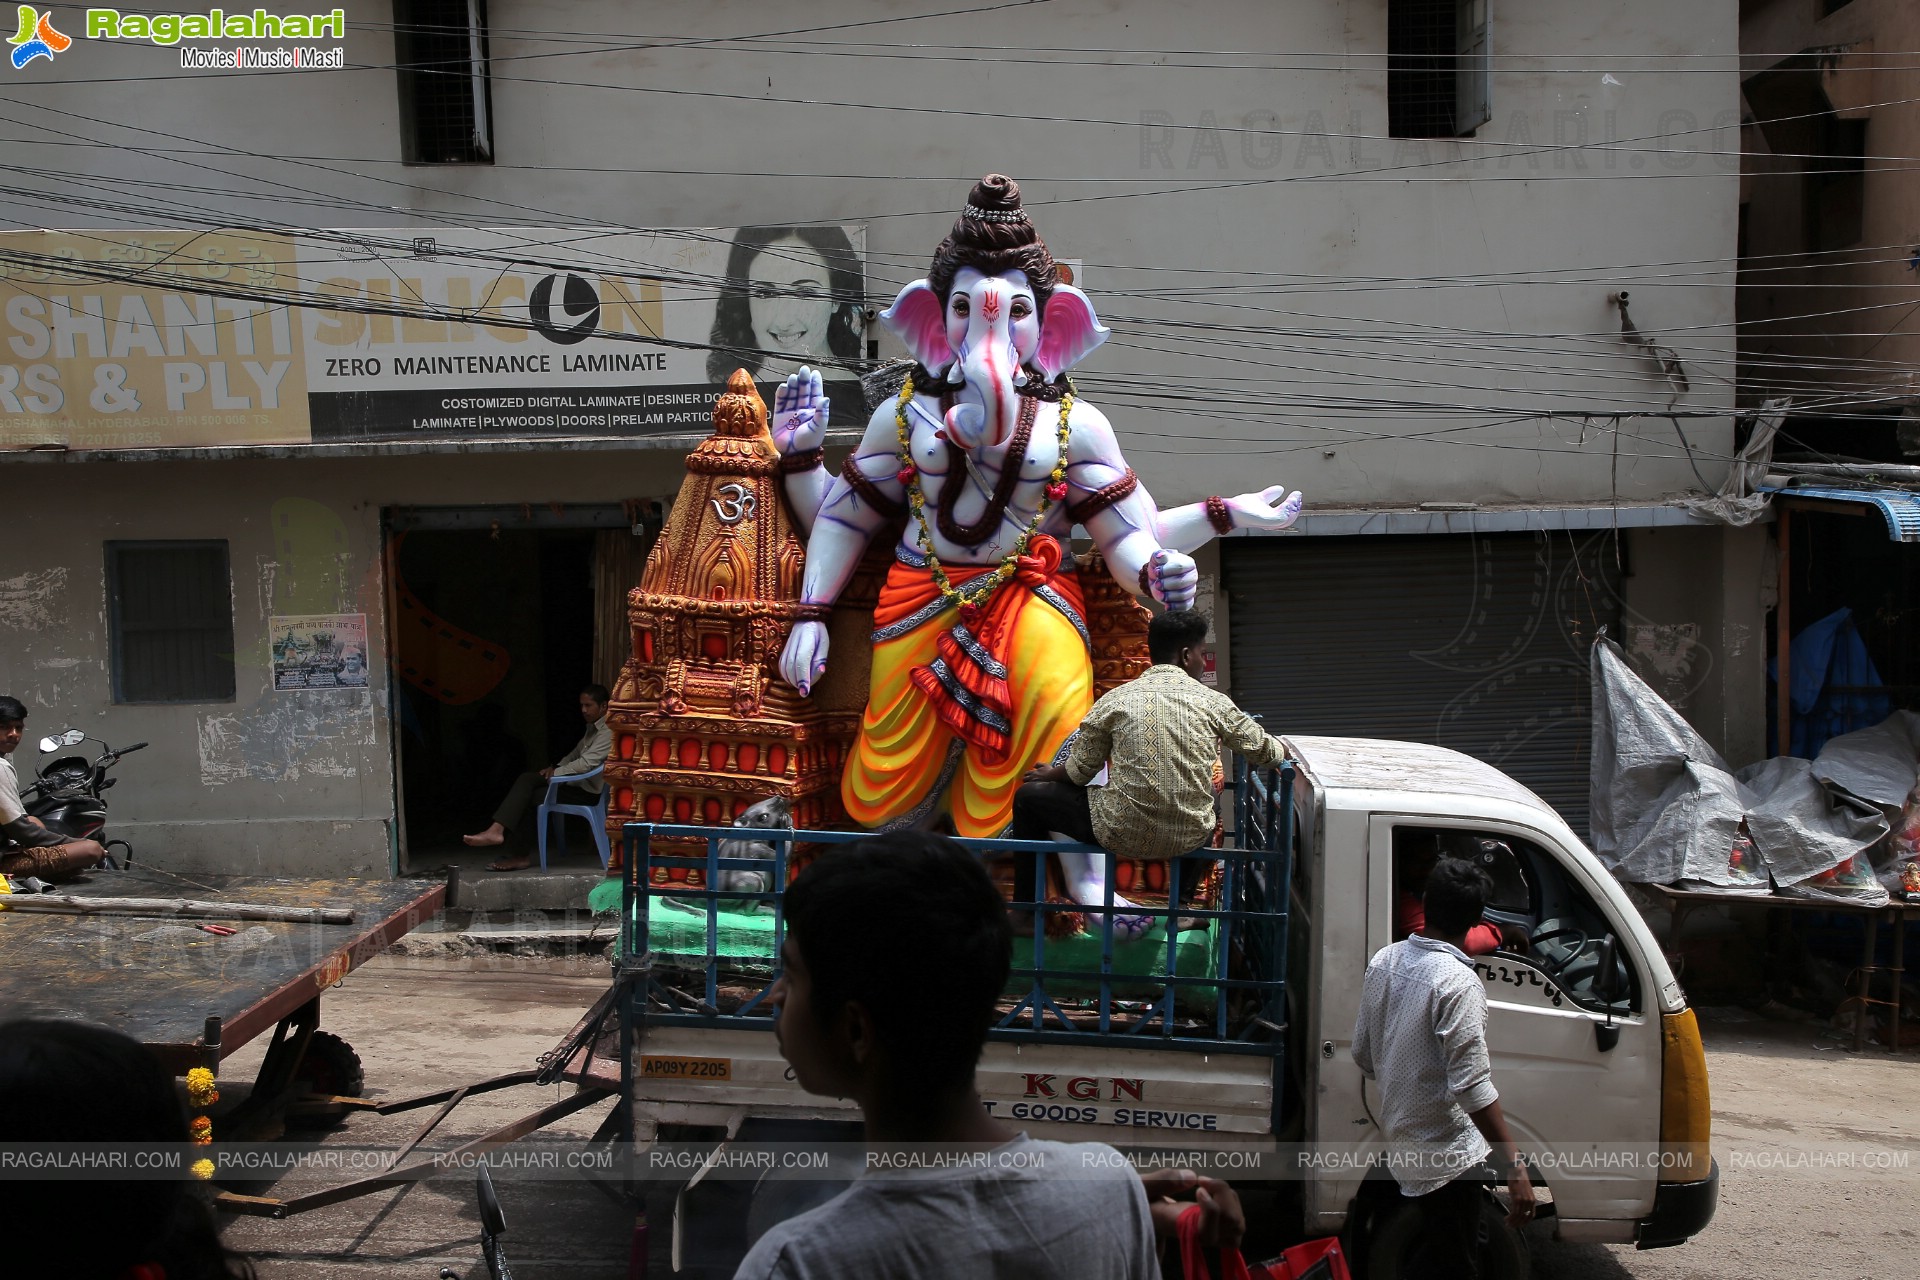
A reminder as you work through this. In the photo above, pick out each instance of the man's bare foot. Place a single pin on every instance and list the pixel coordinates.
(495, 834)
(510, 864)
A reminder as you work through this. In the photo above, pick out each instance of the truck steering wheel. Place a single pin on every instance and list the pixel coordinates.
(1554, 967)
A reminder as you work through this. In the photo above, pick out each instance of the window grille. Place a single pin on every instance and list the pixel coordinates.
(1438, 68)
(171, 611)
(440, 47)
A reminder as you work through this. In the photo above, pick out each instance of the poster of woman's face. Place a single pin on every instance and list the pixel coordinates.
(792, 296)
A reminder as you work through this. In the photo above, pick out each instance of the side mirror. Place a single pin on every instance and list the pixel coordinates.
(1606, 1035)
(493, 1225)
(66, 738)
(1606, 983)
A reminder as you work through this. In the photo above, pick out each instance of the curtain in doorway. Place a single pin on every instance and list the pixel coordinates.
(618, 557)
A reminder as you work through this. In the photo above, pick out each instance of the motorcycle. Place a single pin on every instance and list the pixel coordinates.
(66, 794)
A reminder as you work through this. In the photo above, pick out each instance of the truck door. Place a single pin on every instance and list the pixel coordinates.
(1576, 1052)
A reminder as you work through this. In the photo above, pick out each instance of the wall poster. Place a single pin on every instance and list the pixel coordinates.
(319, 650)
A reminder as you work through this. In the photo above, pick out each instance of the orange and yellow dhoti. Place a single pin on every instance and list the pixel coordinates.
(967, 706)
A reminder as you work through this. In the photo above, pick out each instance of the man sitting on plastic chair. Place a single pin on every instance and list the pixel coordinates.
(574, 785)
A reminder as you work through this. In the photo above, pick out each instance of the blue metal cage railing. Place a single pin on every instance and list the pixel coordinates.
(1237, 1006)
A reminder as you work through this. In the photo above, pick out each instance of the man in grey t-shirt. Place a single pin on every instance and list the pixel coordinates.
(896, 951)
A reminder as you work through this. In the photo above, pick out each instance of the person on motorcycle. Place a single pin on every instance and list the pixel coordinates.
(29, 847)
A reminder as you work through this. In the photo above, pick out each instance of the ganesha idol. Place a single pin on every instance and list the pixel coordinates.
(981, 663)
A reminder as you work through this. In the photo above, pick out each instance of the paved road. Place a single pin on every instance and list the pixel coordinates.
(425, 1025)
(1803, 1131)
(1819, 1150)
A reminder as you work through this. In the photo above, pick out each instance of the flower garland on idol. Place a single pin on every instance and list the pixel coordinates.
(909, 475)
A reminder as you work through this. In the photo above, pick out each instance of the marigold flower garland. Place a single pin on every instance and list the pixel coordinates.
(909, 475)
(202, 1092)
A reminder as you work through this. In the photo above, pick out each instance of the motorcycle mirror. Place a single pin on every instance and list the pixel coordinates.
(49, 745)
(65, 738)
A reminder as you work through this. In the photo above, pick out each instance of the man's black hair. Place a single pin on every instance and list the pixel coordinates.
(1457, 893)
(911, 927)
(70, 1081)
(12, 710)
(1173, 631)
(598, 692)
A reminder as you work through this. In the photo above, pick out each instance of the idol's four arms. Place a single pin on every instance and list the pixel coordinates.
(964, 431)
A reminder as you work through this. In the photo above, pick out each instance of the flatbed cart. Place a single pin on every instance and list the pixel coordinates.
(194, 997)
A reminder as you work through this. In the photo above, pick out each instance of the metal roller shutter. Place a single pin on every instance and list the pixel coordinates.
(1476, 642)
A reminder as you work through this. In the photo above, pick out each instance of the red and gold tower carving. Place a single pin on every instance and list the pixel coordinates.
(703, 725)
(1117, 624)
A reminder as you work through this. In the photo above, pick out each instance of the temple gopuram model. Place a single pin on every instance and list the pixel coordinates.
(703, 725)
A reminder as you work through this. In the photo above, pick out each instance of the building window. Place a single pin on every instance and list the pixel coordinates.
(1438, 70)
(171, 610)
(440, 48)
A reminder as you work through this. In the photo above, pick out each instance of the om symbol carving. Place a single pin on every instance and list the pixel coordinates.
(734, 504)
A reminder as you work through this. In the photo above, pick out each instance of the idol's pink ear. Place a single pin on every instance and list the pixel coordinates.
(1068, 332)
(919, 319)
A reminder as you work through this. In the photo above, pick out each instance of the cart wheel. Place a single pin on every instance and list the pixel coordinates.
(331, 1067)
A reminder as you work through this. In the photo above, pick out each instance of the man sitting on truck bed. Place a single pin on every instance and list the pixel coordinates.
(897, 950)
(1422, 1034)
(1158, 736)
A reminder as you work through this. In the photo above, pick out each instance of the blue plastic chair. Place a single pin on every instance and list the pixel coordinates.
(594, 813)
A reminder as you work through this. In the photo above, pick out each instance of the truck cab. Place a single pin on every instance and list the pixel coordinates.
(1595, 1053)
(1223, 1040)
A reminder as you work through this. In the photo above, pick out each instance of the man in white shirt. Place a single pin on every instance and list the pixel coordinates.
(27, 846)
(587, 755)
(896, 953)
(1422, 1035)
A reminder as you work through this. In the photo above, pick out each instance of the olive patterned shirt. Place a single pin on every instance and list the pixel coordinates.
(1159, 736)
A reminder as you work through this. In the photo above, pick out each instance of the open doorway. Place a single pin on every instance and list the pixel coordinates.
(495, 631)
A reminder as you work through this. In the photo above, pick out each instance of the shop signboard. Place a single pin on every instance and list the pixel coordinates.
(188, 339)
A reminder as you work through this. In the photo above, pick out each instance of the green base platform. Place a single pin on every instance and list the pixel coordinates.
(744, 941)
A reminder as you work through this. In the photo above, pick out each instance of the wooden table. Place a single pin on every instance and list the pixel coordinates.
(188, 995)
(1684, 901)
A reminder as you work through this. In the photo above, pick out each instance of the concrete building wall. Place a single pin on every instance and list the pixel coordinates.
(290, 782)
(1294, 296)
(1374, 319)
(1693, 625)
(1839, 321)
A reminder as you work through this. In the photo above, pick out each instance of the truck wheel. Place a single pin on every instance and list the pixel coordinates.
(1503, 1258)
(331, 1067)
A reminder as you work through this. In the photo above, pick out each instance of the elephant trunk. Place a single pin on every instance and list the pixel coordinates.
(988, 404)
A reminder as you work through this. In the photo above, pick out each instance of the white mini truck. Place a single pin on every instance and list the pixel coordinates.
(1228, 1047)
